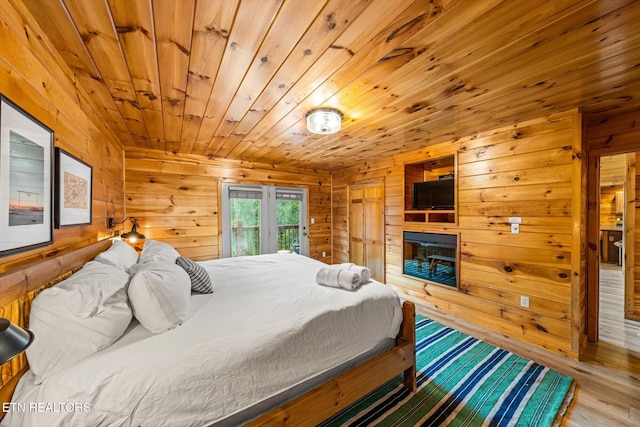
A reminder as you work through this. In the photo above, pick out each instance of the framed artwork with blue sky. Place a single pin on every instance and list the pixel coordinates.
(26, 178)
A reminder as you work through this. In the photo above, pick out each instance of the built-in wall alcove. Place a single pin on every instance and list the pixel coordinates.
(430, 191)
(431, 256)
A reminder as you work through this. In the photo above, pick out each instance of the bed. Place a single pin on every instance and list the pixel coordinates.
(268, 347)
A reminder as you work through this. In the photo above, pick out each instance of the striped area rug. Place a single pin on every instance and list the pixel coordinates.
(463, 381)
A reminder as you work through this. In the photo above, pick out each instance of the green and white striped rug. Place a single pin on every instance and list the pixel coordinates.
(463, 381)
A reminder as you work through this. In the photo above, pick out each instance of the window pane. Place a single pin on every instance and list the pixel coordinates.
(288, 220)
(245, 226)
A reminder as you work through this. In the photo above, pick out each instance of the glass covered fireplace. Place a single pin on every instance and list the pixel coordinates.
(431, 256)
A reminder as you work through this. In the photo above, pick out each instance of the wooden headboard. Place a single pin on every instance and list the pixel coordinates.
(19, 287)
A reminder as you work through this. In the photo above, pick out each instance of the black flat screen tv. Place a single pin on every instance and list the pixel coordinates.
(436, 194)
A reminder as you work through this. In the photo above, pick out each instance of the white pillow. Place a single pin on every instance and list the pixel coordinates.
(159, 294)
(119, 254)
(158, 251)
(155, 251)
(78, 317)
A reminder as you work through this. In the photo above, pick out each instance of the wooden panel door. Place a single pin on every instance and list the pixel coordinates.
(356, 224)
(366, 227)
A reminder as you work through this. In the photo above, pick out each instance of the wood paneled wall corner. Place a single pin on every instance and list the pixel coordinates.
(579, 236)
(533, 170)
(175, 198)
(35, 77)
(632, 237)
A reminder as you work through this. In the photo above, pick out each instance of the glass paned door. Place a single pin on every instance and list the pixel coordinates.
(290, 229)
(245, 207)
(263, 219)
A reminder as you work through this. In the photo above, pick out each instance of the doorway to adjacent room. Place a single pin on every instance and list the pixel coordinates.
(613, 189)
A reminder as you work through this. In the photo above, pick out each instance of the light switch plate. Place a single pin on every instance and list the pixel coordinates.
(515, 228)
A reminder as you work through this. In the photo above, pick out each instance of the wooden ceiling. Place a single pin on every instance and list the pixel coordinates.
(235, 78)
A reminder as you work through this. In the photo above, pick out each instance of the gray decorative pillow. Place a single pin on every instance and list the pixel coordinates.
(200, 280)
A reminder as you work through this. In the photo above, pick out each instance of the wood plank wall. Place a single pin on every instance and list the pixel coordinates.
(533, 170)
(34, 77)
(175, 198)
(611, 133)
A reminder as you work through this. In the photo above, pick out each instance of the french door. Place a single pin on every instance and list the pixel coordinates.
(262, 219)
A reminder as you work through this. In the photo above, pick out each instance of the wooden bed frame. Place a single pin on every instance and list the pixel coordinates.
(19, 287)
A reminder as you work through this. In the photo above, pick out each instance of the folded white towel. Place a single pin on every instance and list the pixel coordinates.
(364, 272)
(337, 277)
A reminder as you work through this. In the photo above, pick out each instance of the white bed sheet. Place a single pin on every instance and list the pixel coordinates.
(267, 327)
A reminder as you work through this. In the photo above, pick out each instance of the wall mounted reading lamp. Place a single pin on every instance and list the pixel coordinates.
(132, 235)
(13, 340)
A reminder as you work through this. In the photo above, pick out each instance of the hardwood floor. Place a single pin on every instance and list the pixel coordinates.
(614, 328)
(607, 378)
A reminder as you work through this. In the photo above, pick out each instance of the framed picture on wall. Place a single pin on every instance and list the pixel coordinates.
(26, 172)
(74, 180)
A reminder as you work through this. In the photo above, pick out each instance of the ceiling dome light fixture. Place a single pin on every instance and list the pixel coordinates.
(324, 120)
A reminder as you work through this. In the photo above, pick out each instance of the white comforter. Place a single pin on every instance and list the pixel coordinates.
(266, 327)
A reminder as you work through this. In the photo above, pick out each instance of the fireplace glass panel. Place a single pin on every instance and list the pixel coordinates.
(431, 256)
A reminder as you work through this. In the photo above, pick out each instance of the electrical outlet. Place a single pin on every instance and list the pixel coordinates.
(313, 220)
(524, 301)
(324, 254)
(515, 228)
